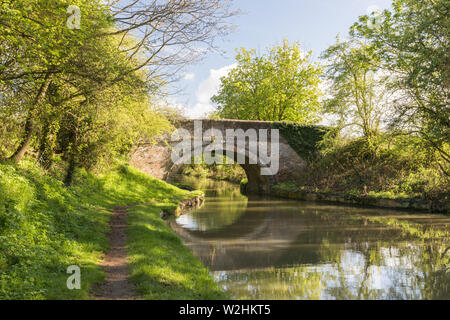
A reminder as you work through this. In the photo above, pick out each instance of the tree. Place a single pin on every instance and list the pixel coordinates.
(169, 34)
(103, 127)
(101, 116)
(281, 85)
(357, 88)
(414, 47)
(43, 50)
(38, 52)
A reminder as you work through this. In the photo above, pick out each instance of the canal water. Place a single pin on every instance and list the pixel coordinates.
(265, 248)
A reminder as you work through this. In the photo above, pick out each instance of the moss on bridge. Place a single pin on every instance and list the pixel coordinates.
(304, 139)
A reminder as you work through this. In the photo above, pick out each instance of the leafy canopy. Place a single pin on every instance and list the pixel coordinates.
(356, 86)
(281, 85)
(414, 46)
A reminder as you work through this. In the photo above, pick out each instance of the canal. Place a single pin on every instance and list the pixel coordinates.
(265, 248)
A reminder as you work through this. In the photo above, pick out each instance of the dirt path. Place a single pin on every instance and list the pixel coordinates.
(116, 286)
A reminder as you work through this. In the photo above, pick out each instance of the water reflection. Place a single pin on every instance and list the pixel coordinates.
(225, 212)
(261, 248)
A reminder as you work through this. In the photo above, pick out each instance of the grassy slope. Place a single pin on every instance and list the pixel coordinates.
(161, 266)
(45, 227)
(390, 167)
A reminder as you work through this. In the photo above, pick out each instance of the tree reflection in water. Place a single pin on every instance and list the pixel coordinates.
(277, 249)
(401, 273)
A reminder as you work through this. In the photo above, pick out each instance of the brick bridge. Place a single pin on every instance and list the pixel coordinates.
(155, 159)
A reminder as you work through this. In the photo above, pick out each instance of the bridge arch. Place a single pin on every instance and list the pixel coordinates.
(257, 183)
(155, 159)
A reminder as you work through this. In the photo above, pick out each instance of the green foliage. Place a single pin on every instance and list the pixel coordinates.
(428, 182)
(413, 43)
(108, 128)
(385, 194)
(281, 85)
(390, 81)
(286, 186)
(305, 140)
(227, 172)
(357, 93)
(233, 173)
(394, 167)
(161, 266)
(193, 170)
(46, 227)
(36, 33)
(77, 93)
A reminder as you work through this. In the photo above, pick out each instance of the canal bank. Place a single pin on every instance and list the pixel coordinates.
(46, 227)
(161, 267)
(412, 204)
(402, 203)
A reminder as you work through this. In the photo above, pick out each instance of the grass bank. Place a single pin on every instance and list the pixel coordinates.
(388, 171)
(161, 266)
(46, 227)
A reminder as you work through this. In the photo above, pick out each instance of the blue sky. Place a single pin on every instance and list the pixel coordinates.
(264, 23)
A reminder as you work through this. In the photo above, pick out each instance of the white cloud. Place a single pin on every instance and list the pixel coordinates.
(206, 90)
(189, 76)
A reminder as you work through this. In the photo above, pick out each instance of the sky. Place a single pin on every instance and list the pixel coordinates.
(262, 24)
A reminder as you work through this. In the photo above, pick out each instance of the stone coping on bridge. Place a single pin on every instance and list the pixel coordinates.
(229, 120)
(252, 121)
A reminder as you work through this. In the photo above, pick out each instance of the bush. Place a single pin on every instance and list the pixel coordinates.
(227, 172)
(389, 166)
(286, 186)
(429, 182)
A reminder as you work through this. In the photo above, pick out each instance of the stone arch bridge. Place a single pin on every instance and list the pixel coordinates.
(157, 159)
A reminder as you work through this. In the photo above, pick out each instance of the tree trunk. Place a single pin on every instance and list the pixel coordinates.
(72, 157)
(29, 126)
(46, 146)
(70, 171)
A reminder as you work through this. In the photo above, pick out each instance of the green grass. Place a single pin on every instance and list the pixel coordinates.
(161, 266)
(46, 227)
(286, 186)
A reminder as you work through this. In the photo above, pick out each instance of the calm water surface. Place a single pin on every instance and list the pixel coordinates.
(260, 248)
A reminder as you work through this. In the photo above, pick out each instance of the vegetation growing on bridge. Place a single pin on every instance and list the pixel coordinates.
(304, 139)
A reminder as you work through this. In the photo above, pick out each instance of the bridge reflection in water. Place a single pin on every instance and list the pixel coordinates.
(260, 248)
